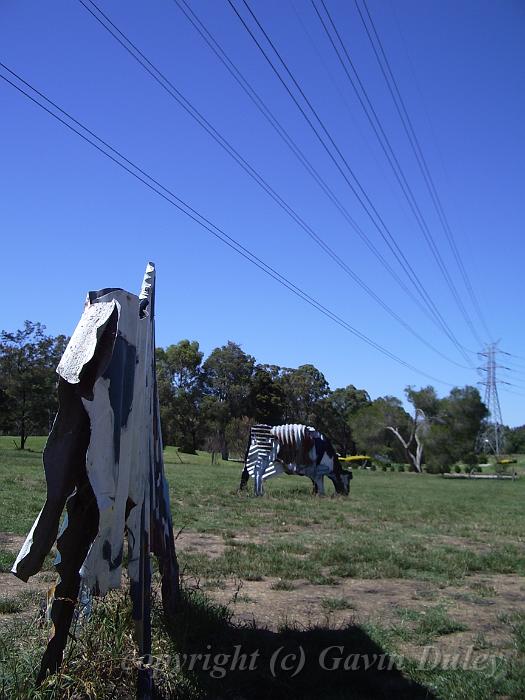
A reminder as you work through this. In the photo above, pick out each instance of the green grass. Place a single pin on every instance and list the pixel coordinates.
(424, 626)
(332, 604)
(10, 606)
(499, 677)
(394, 525)
(282, 585)
(7, 559)
(519, 633)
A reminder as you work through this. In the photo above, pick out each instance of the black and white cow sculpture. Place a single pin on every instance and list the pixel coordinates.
(292, 449)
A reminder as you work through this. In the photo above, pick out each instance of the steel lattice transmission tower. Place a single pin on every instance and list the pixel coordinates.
(491, 437)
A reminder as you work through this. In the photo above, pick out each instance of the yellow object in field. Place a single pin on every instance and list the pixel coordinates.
(354, 458)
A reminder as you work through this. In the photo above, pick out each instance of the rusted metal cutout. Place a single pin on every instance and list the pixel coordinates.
(103, 464)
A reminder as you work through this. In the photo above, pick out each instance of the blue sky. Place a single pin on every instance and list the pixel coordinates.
(72, 221)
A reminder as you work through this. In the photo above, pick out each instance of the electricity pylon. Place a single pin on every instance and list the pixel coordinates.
(491, 437)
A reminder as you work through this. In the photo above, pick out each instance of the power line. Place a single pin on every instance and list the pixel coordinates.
(130, 167)
(170, 88)
(519, 357)
(389, 239)
(514, 393)
(518, 369)
(420, 157)
(217, 49)
(513, 384)
(512, 363)
(356, 188)
(516, 381)
(267, 113)
(391, 157)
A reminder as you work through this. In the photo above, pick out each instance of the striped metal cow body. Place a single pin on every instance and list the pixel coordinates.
(292, 449)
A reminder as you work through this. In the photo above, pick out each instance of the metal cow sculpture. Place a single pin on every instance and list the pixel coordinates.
(292, 449)
(103, 464)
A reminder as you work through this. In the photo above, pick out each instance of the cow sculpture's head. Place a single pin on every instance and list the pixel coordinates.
(341, 478)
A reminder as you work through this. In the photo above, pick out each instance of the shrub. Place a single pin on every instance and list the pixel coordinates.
(392, 468)
(457, 469)
(332, 604)
(437, 464)
(476, 469)
(471, 459)
(282, 585)
(401, 468)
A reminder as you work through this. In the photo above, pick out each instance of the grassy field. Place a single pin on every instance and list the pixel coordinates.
(424, 569)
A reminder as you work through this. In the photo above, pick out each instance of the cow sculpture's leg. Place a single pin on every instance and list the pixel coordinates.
(245, 477)
(318, 484)
(260, 468)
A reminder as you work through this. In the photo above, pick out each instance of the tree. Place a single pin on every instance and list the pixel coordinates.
(413, 443)
(227, 376)
(426, 407)
(464, 411)
(452, 435)
(237, 435)
(165, 392)
(445, 428)
(215, 416)
(424, 400)
(370, 427)
(266, 401)
(28, 360)
(334, 415)
(304, 388)
(515, 440)
(179, 376)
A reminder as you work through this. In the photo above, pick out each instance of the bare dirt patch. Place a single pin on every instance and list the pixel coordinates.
(214, 546)
(479, 603)
(12, 587)
(211, 546)
(11, 542)
(381, 601)
(305, 605)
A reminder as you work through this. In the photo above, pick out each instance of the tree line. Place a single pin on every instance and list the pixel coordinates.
(210, 403)
(28, 395)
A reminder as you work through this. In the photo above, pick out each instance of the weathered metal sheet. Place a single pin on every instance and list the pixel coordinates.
(103, 463)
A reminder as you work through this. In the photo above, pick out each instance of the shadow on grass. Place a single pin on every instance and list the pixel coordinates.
(246, 662)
